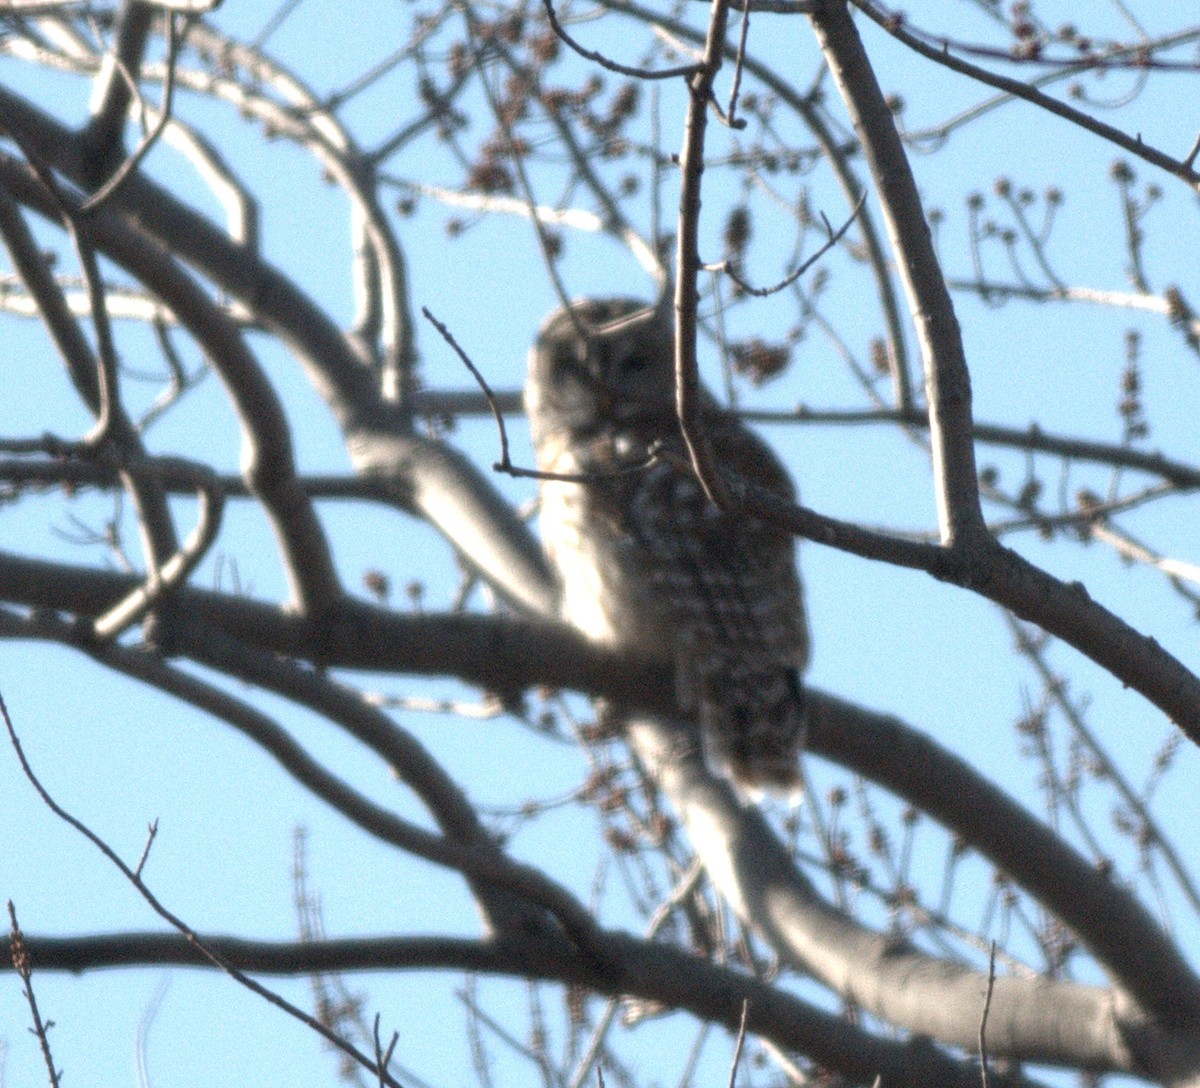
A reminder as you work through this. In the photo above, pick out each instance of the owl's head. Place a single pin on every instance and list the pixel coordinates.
(603, 362)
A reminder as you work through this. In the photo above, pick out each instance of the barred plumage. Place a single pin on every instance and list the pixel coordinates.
(646, 562)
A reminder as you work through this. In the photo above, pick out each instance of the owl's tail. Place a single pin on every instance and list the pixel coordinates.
(752, 719)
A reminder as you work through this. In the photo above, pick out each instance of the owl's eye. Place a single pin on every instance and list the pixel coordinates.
(634, 363)
(564, 363)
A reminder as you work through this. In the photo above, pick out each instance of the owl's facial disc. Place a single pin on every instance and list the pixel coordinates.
(581, 397)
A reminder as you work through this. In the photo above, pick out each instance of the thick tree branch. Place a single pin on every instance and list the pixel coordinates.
(947, 382)
(94, 374)
(432, 477)
(508, 655)
(332, 366)
(383, 330)
(656, 972)
(268, 463)
(1110, 921)
(1042, 1019)
(114, 90)
(477, 858)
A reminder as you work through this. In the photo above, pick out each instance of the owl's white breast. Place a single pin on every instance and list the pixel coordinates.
(606, 591)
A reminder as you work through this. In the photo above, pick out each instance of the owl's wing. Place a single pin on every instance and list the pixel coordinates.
(730, 584)
(731, 580)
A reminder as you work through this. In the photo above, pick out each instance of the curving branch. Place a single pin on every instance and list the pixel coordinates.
(477, 858)
(421, 474)
(281, 306)
(1110, 921)
(1143, 1023)
(115, 89)
(94, 374)
(267, 458)
(505, 655)
(169, 473)
(685, 70)
(1041, 1019)
(383, 326)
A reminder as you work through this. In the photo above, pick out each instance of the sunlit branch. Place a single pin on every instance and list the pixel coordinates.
(947, 382)
(1147, 303)
(572, 218)
(170, 473)
(116, 86)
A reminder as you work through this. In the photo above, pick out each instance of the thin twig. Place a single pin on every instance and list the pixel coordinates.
(737, 1049)
(834, 237)
(151, 835)
(731, 113)
(24, 967)
(383, 1058)
(189, 934)
(515, 156)
(174, 571)
(126, 169)
(505, 464)
(684, 70)
(987, 1004)
(894, 26)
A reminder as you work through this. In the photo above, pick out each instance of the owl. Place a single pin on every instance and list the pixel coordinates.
(647, 564)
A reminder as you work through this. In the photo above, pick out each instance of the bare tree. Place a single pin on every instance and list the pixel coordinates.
(835, 935)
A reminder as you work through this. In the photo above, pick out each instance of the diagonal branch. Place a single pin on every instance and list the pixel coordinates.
(478, 858)
(191, 938)
(1180, 168)
(947, 382)
(505, 655)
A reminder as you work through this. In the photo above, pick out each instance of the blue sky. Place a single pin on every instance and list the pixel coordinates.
(119, 757)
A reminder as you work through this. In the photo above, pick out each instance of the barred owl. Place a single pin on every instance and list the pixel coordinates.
(647, 564)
